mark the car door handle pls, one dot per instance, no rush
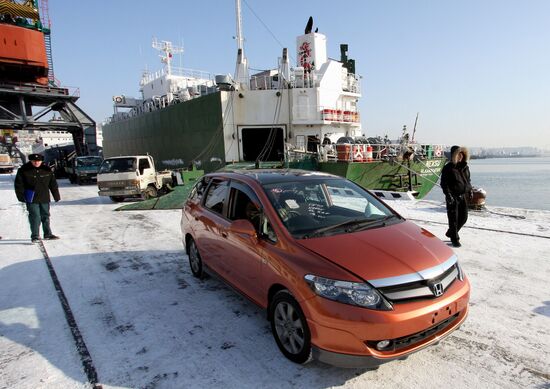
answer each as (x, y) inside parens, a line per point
(196, 218)
(224, 234)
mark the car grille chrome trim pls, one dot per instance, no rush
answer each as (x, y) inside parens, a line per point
(420, 284)
(422, 275)
(420, 289)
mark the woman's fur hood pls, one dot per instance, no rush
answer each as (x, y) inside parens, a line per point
(463, 150)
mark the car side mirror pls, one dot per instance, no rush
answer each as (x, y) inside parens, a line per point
(243, 227)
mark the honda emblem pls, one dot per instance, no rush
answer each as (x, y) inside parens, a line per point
(437, 289)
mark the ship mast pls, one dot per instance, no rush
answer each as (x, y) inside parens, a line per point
(241, 70)
(169, 50)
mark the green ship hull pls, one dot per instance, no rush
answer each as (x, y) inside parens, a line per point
(191, 133)
(390, 176)
(175, 136)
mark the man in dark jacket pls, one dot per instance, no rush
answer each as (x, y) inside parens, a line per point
(33, 184)
(456, 185)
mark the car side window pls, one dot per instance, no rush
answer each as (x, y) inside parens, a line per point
(243, 206)
(216, 196)
(198, 190)
(143, 164)
(266, 230)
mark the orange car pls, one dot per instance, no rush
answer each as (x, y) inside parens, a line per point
(344, 278)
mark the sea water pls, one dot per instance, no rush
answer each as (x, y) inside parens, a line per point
(510, 182)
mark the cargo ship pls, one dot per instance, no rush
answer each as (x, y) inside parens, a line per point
(301, 116)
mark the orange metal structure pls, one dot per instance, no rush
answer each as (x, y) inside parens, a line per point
(22, 55)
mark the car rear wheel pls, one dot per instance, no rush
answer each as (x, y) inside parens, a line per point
(289, 327)
(195, 261)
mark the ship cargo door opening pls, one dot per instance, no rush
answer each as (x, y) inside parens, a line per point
(264, 142)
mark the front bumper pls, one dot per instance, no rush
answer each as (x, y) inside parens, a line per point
(373, 361)
(119, 192)
(346, 336)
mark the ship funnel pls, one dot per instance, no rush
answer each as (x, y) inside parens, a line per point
(311, 50)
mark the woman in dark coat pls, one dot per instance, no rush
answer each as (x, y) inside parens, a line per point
(33, 184)
(456, 185)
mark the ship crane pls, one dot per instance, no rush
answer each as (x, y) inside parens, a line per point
(30, 96)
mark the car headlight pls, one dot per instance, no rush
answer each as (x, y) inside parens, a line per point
(354, 293)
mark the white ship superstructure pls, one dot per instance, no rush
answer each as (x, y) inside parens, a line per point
(295, 108)
(170, 85)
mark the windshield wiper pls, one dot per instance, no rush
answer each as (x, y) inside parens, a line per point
(371, 223)
(322, 230)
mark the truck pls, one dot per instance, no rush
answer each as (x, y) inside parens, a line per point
(83, 169)
(133, 176)
(6, 166)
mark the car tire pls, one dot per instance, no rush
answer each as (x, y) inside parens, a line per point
(116, 199)
(195, 260)
(150, 193)
(289, 327)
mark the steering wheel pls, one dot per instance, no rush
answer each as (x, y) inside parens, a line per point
(292, 214)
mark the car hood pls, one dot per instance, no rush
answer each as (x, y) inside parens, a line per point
(389, 251)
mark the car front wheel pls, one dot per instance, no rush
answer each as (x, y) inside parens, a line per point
(289, 327)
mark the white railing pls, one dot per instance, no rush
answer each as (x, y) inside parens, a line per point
(179, 72)
(367, 152)
(351, 83)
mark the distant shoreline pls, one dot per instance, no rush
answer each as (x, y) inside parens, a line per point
(507, 156)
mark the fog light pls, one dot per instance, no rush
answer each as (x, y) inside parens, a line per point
(383, 344)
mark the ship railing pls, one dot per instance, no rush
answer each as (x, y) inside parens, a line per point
(302, 79)
(361, 150)
(50, 89)
(342, 115)
(179, 72)
(351, 83)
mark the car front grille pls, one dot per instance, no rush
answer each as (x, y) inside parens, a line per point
(119, 184)
(420, 289)
(428, 283)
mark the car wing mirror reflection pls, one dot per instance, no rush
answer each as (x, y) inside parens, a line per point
(243, 227)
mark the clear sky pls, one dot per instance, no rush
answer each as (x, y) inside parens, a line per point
(477, 71)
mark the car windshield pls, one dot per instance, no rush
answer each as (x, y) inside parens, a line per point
(321, 207)
(89, 161)
(118, 165)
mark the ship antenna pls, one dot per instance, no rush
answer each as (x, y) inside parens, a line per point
(414, 128)
(168, 51)
(241, 71)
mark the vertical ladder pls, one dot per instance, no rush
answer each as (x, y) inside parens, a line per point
(48, 42)
(46, 26)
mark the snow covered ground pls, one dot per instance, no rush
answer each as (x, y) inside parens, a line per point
(148, 323)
